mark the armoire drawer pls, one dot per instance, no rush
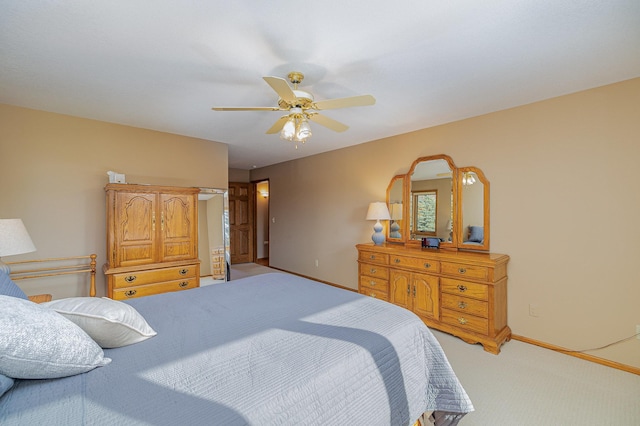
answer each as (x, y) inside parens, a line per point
(421, 265)
(373, 257)
(464, 288)
(149, 289)
(466, 271)
(136, 278)
(465, 321)
(458, 303)
(374, 271)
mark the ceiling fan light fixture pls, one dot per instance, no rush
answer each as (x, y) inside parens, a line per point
(304, 130)
(289, 129)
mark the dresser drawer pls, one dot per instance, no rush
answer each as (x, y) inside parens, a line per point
(467, 271)
(149, 289)
(377, 294)
(465, 321)
(454, 302)
(464, 288)
(421, 265)
(374, 271)
(373, 257)
(375, 283)
(130, 279)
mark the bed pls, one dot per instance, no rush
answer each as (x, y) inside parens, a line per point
(263, 350)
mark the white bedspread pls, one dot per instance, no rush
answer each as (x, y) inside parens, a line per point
(273, 349)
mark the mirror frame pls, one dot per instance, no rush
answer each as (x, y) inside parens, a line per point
(487, 234)
(407, 194)
(403, 235)
(457, 235)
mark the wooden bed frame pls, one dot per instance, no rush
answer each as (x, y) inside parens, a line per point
(31, 269)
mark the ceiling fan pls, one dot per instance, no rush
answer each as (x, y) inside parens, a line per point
(301, 107)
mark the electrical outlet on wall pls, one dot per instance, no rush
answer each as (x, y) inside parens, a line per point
(533, 310)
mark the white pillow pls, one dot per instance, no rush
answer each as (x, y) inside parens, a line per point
(38, 343)
(110, 323)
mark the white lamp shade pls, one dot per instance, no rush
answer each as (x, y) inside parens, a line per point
(14, 238)
(378, 211)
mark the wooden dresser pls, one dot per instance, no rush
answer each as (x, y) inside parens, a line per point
(461, 293)
(152, 240)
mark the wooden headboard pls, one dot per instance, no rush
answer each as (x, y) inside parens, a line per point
(30, 269)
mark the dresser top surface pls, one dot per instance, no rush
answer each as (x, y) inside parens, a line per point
(439, 254)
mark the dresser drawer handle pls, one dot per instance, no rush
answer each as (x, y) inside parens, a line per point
(372, 271)
(130, 293)
(462, 288)
(183, 271)
(462, 270)
(397, 260)
(184, 284)
(462, 305)
(427, 265)
(372, 295)
(130, 278)
(372, 283)
(372, 257)
(462, 321)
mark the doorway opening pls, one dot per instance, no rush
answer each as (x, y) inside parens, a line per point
(261, 216)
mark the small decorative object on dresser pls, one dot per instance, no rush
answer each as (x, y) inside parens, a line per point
(152, 240)
(424, 268)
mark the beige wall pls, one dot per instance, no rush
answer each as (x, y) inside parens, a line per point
(53, 169)
(564, 206)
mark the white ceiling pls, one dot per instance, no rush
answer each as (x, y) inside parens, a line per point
(163, 64)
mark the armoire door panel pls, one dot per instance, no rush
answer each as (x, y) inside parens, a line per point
(136, 228)
(178, 230)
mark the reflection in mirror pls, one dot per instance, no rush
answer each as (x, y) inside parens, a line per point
(474, 220)
(213, 235)
(433, 176)
(425, 206)
(394, 202)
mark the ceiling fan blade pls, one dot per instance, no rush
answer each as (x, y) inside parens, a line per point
(278, 125)
(353, 101)
(245, 109)
(328, 122)
(282, 88)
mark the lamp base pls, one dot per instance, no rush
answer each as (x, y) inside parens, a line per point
(378, 236)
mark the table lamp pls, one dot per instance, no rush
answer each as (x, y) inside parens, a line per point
(14, 239)
(378, 211)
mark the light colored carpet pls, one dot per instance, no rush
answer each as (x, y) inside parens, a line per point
(242, 270)
(527, 385)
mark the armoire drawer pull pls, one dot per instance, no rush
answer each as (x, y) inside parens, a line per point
(183, 284)
(427, 265)
(462, 270)
(130, 278)
(372, 283)
(462, 321)
(462, 288)
(462, 305)
(130, 293)
(183, 271)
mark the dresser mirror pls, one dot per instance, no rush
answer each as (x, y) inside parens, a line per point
(440, 201)
(395, 194)
(474, 209)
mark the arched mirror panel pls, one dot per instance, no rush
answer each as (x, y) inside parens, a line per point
(474, 209)
(395, 203)
(431, 198)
